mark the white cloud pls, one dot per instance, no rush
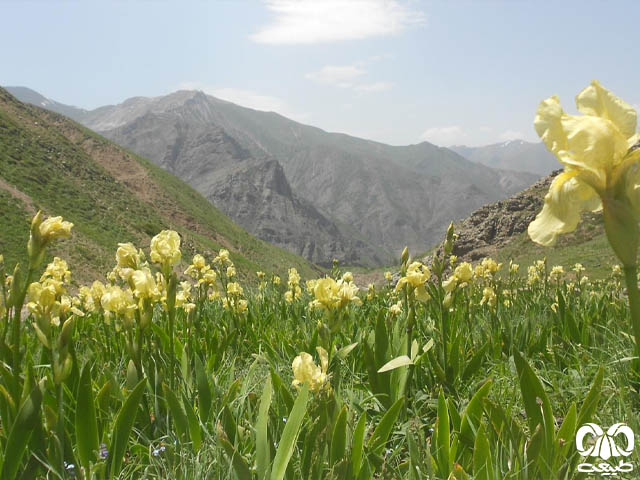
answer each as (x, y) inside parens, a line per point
(305, 22)
(337, 75)
(345, 76)
(373, 87)
(511, 135)
(444, 136)
(247, 98)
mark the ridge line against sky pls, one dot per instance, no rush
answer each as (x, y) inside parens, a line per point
(395, 71)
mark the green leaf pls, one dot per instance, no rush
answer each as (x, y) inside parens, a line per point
(591, 400)
(239, 463)
(565, 436)
(194, 425)
(229, 424)
(86, 420)
(279, 387)
(443, 444)
(472, 414)
(381, 341)
(505, 426)
(357, 447)
(177, 413)
(24, 424)
(482, 462)
(535, 446)
(204, 391)
(311, 462)
(290, 435)
(339, 437)
(536, 401)
(383, 430)
(344, 351)
(263, 455)
(232, 392)
(123, 425)
(401, 361)
(414, 349)
(416, 465)
(475, 363)
(132, 376)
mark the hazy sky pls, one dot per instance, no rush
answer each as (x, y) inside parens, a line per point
(395, 71)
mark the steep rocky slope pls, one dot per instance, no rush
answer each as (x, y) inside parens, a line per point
(499, 230)
(51, 163)
(495, 225)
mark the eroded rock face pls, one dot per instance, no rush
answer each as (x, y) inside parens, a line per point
(258, 196)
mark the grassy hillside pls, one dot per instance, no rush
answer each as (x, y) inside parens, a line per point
(51, 163)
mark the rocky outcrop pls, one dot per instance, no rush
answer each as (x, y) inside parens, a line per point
(494, 225)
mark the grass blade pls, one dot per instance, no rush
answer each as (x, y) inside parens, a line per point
(290, 435)
(204, 391)
(263, 456)
(357, 447)
(443, 444)
(472, 414)
(123, 425)
(384, 428)
(86, 420)
(177, 413)
(482, 462)
(339, 437)
(25, 422)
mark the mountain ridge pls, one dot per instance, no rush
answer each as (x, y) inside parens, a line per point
(516, 154)
(391, 196)
(49, 162)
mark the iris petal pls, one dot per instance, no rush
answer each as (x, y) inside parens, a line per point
(594, 144)
(598, 101)
(548, 124)
(568, 197)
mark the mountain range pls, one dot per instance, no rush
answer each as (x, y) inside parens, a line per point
(321, 195)
(50, 163)
(512, 155)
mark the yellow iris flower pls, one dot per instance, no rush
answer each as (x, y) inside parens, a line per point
(600, 156)
(330, 294)
(306, 371)
(165, 248)
(54, 227)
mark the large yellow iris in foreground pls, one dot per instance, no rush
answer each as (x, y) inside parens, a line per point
(601, 168)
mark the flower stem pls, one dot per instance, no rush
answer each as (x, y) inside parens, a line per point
(60, 425)
(17, 321)
(631, 278)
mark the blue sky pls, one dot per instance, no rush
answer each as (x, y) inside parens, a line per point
(399, 72)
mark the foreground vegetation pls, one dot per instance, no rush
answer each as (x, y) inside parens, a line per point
(453, 371)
